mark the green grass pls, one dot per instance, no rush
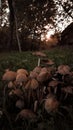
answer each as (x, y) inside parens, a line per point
(16, 60)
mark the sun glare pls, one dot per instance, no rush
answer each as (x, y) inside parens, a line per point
(48, 35)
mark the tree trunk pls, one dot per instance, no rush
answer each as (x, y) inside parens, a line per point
(13, 21)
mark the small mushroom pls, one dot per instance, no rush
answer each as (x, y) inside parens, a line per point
(9, 76)
(21, 78)
(34, 84)
(16, 92)
(43, 76)
(52, 86)
(63, 69)
(26, 114)
(19, 104)
(33, 74)
(51, 104)
(22, 71)
(38, 53)
(37, 69)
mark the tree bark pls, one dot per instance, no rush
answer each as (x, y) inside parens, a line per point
(13, 21)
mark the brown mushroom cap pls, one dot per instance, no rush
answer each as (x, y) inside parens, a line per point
(16, 92)
(26, 113)
(53, 83)
(21, 77)
(44, 69)
(27, 85)
(43, 76)
(9, 76)
(33, 74)
(64, 69)
(23, 71)
(34, 84)
(19, 104)
(68, 89)
(51, 104)
(40, 54)
(37, 69)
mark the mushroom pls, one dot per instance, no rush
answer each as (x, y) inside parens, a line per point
(63, 69)
(22, 71)
(26, 114)
(34, 84)
(38, 53)
(9, 76)
(16, 92)
(51, 104)
(19, 104)
(33, 74)
(47, 62)
(43, 76)
(37, 69)
(52, 86)
(21, 78)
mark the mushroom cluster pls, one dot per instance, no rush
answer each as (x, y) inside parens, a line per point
(48, 84)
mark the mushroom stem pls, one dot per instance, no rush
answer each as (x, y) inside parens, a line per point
(39, 62)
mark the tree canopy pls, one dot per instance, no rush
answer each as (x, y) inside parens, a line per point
(33, 15)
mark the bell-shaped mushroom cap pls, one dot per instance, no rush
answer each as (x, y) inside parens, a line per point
(34, 84)
(51, 104)
(40, 54)
(44, 69)
(21, 77)
(37, 69)
(33, 74)
(47, 62)
(22, 71)
(19, 104)
(43, 76)
(68, 89)
(27, 85)
(16, 92)
(26, 114)
(64, 69)
(53, 83)
(9, 76)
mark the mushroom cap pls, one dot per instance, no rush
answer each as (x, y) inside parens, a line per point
(23, 71)
(63, 69)
(19, 104)
(9, 76)
(26, 113)
(21, 77)
(16, 92)
(27, 85)
(44, 69)
(37, 69)
(53, 83)
(40, 54)
(33, 74)
(68, 89)
(34, 84)
(48, 62)
(43, 76)
(51, 104)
